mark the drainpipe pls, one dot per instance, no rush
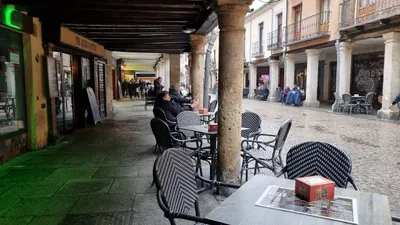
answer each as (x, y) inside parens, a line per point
(211, 41)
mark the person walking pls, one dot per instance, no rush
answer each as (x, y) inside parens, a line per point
(131, 88)
(137, 89)
(142, 88)
(158, 87)
(124, 87)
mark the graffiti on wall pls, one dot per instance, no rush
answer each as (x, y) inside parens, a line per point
(367, 73)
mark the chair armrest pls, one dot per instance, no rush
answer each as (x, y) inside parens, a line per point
(268, 135)
(266, 143)
(282, 172)
(352, 182)
(396, 219)
(214, 183)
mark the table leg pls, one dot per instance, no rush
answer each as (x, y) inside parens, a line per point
(213, 149)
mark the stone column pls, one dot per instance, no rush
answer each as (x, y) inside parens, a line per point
(290, 60)
(344, 50)
(274, 78)
(175, 69)
(253, 78)
(312, 78)
(391, 74)
(167, 73)
(231, 19)
(198, 43)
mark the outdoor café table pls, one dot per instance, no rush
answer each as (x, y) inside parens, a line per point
(358, 100)
(202, 129)
(240, 208)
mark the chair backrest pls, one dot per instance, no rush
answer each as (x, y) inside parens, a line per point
(347, 99)
(216, 117)
(252, 121)
(282, 136)
(188, 118)
(369, 98)
(161, 132)
(174, 175)
(213, 106)
(319, 158)
(160, 114)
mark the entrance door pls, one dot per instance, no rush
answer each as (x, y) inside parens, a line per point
(65, 101)
(298, 16)
(280, 29)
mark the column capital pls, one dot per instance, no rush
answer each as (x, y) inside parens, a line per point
(274, 62)
(341, 46)
(392, 37)
(290, 57)
(231, 14)
(198, 43)
(233, 2)
(311, 52)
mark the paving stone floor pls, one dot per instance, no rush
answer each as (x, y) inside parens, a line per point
(102, 175)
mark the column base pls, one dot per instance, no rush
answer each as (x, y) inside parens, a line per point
(311, 104)
(387, 114)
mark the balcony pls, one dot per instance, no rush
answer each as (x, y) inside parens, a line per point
(275, 40)
(376, 10)
(258, 49)
(312, 27)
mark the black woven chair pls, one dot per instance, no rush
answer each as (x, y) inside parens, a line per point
(368, 101)
(211, 109)
(160, 114)
(175, 180)
(319, 158)
(348, 102)
(252, 121)
(166, 139)
(396, 219)
(265, 154)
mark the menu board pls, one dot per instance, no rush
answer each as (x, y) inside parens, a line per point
(93, 107)
(52, 77)
(341, 209)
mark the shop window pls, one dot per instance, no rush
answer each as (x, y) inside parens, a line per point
(12, 96)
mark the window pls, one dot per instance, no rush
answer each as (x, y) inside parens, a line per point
(280, 28)
(363, 3)
(260, 35)
(324, 11)
(297, 17)
(12, 96)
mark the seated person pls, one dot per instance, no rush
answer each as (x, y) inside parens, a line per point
(176, 96)
(294, 97)
(264, 91)
(284, 94)
(171, 110)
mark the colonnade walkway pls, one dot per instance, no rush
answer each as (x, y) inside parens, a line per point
(99, 175)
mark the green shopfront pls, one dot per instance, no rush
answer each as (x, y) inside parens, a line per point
(12, 83)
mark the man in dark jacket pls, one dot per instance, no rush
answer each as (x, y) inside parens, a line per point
(396, 100)
(176, 96)
(171, 110)
(124, 87)
(158, 86)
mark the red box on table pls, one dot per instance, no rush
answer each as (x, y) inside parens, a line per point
(315, 188)
(213, 127)
(203, 111)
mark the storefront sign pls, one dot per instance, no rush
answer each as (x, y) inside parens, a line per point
(75, 40)
(12, 18)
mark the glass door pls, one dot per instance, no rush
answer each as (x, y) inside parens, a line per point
(64, 102)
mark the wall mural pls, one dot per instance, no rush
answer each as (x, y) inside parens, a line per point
(366, 75)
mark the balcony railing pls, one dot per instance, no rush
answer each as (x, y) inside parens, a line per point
(309, 28)
(353, 13)
(275, 40)
(258, 49)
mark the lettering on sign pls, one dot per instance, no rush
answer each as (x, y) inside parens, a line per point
(77, 41)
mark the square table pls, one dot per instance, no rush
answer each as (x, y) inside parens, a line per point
(203, 129)
(240, 208)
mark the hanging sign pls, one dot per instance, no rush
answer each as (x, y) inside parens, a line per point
(12, 18)
(75, 40)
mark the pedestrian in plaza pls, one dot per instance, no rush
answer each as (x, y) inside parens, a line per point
(137, 89)
(395, 101)
(124, 88)
(264, 91)
(131, 88)
(142, 88)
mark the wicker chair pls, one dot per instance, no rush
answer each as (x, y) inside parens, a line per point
(368, 101)
(160, 114)
(252, 121)
(265, 154)
(348, 102)
(319, 158)
(166, 139)
(188, 118)
(175, 180)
